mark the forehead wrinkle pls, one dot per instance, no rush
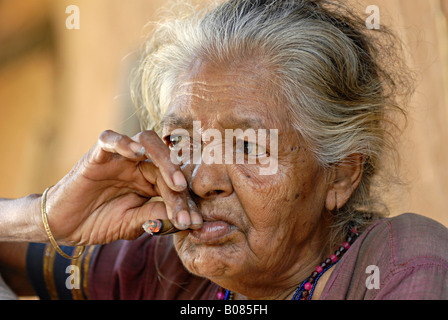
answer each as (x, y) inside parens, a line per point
(203, 85)
(203, 90)
(188, 93)
(235, 96)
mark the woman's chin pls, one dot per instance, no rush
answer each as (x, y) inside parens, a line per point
(210, 258)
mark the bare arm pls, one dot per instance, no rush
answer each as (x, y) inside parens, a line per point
(20, 224)
(20, 220)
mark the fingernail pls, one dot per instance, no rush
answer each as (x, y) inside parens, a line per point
(138, 149)
(183, 218)
(196, 221)
(179, 179)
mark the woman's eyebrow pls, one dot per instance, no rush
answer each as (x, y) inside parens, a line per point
(175, 121)
(227, 122)
(245, 122)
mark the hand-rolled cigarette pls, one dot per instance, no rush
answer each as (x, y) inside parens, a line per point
(159, 227)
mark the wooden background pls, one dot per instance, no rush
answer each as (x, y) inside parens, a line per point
(60, 88)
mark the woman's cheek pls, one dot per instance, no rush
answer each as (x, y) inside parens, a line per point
(261, 196)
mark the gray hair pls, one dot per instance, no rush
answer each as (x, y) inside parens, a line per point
(338, 80)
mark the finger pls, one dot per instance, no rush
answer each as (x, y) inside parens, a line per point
(176, 202)
(114, 143)
(196, 217)
(151, 210)
(177, 207)
(165, 226)
(159, 154)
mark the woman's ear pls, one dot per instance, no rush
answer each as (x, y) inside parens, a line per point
(345, 178)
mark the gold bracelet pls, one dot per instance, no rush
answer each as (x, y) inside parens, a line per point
(47, 228)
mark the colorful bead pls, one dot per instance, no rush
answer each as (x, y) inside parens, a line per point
(220, 295)
(346, 245)
(305, 294)
(319, 269)
(333, 258)
(308, 286)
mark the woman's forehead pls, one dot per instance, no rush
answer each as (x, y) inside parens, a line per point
(227, 112)
(230, 96)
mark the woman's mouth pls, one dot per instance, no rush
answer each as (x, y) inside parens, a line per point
(212, 232)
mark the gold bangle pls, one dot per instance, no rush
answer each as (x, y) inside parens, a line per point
(47, 229)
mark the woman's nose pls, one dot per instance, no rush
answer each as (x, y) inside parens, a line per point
(210, 181)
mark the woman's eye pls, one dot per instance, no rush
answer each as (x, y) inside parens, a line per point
(176, 141)
(250, 148)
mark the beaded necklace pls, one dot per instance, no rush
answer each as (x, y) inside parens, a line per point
(306, 289)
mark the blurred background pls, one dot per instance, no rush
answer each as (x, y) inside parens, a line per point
(60, 88)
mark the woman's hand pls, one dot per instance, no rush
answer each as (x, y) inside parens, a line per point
(105, 197)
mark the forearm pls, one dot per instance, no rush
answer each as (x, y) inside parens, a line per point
(20, 223)
(20, 220)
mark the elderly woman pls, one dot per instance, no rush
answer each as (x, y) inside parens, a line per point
(288, 214)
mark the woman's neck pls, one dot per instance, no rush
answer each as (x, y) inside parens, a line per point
(288, 294)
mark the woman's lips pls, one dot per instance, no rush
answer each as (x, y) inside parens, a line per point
(212, 232)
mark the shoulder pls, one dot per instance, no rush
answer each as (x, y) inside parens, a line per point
(409, 254)
(416, 264)
(408, 238)
(403, 257)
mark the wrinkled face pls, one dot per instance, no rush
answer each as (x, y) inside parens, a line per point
(259, 229)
